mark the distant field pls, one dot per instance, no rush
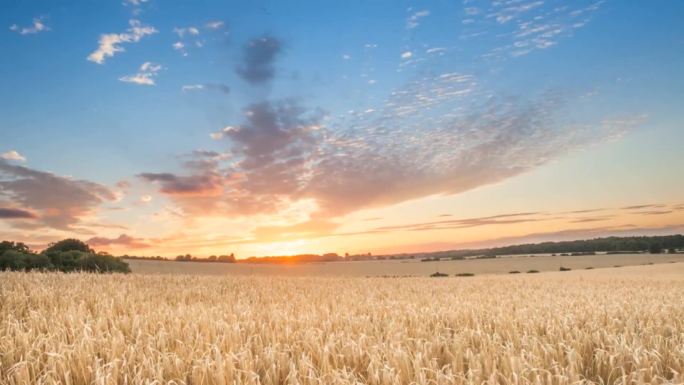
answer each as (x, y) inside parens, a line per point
(606, 326)
(405, 267)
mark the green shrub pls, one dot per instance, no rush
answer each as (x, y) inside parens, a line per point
(67, 255)
(74, 260)
(465, 275)
(532, 271)
(514, 272)
(69, 244)
(564, 268)
(16, 260)
(102, 263)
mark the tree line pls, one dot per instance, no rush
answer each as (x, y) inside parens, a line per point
(611, 245)
(68, 255)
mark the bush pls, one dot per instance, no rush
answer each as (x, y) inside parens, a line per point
(514, 272)
(589, 268)
(564, 268)
(66, 256)
(16, 260)
(74, 260)
(532, 271)
(16, 246)
(68, 244)
(438, 274)
(465, 275)
(102, 263)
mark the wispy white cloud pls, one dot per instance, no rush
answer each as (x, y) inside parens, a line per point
(135, 3)
(180, 47)
(192, 87)
(181, 32)
(13, 155)
(188, 37)
(110, 43)
(224, 88)
(36, 27)
(414, 20)
(217, 24)
(524, 26)
(145, 76)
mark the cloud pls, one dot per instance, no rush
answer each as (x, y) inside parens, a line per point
(436, 50)
(656, 212)
(121, 240)
(59, 202)
(414, 20)
(258, 58)
(11, 213)
(110, 44)
(406, 55)
(523, 27)
(13, 155)
(275, 146)
(36, 27)
(647, 206)
(220, 87)
(194, 185)
(501, 219)
(145, 76)
(217, 24)
(135, 3)
(181, 32)
(180, 46)
(438, 134)
(190, 36)
(270, 155)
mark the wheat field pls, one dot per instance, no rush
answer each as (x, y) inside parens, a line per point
(550, 328)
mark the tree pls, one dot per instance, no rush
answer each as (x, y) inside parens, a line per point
(656, 248)
(227, 258)
(16, 246)
(69, 244)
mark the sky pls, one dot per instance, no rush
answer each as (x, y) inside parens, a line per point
(149, 127)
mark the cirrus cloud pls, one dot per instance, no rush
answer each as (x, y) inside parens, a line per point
(111, 43)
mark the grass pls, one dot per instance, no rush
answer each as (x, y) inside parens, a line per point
(404, 267)
(575, 328)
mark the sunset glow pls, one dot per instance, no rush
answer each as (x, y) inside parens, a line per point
(278, 128)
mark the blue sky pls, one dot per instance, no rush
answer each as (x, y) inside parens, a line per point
(442, 97)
